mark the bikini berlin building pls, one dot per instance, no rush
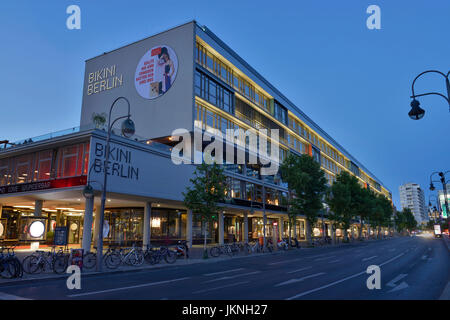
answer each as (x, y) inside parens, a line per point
(183, 78)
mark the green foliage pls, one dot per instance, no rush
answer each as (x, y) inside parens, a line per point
(206, 191)
(307, 184)
(344, 199)
(404, 220)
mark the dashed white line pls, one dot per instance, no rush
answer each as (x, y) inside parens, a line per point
(342, 280)
(320, 259)
(221, 287)
(369, 258)
(284, 261)
(301, 269)
(127, 288)
(222, 272)
(233, 277)
(334, 261)
(299, 279)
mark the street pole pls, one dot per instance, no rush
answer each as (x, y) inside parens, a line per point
(264, 215)
(105, 176)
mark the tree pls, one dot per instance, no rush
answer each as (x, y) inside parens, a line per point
(365, 207)
(343, 200)
(307, 184)
(207, 190)
(411, 222)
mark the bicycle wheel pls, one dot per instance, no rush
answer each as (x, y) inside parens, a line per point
(60, 263)
(214, 251)
(6, 269)
(18, 270)
(135, 259)
(113, 260)
(32, 264)
(90, 260)
(228, 251)
(170, 256)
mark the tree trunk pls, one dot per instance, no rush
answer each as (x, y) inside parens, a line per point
(308, 232)
(333, 234)
(361, 225)
(204, 241)
(290, 232)
(345, 234)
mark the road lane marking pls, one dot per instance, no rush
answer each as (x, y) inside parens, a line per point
(299, 279)
(301, 269)
(324, 258)
(397, 278)
(127, 288)
(222, 272)
(221, 287)
(334, 261)
(369, 258)
(232, 277)
(6, 296)
(284, 261)
(342, 280)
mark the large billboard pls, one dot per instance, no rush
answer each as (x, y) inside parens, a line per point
(154, 74)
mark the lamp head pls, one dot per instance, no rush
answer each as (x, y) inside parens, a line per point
(432, 186)
(128, 128)
(416, 112)
(88, 191)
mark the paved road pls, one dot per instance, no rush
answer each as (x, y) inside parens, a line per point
(411, 268)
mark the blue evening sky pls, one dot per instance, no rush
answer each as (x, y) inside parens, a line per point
(354, 82)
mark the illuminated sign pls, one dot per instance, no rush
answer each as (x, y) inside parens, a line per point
(103, 80)
(2, 230)
(44, 185)
(37, 229)
(156, 72)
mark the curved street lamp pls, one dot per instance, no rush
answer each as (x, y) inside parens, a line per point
(416, 112)
(444, 187)
(128, 130)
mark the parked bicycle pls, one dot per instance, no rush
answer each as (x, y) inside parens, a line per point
(221, 249)
(40, 261)
(155, 255)
(133, 256)
(10, 266)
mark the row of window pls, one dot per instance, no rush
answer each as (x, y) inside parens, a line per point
(224, 72)
(44, 165)
(239, 189)
(207, 119)
(213, 92)
(257, 120)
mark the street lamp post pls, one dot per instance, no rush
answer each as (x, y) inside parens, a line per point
(416, 112)
(128, 130)
(444, 187)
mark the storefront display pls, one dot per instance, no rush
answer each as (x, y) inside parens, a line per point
(32, 228)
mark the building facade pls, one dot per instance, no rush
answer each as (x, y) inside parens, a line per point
(413, 197)
(184, 79)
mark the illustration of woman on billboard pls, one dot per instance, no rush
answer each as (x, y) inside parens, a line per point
(168, 69)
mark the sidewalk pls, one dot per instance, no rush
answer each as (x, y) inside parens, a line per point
(195, 257)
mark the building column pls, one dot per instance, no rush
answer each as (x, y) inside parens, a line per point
(147, 229)
(1, 209)
(221, 228)
(280, 227)
(245, 227)
(96, 223)
(189, 228)
(87, 224)
(38, 208)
